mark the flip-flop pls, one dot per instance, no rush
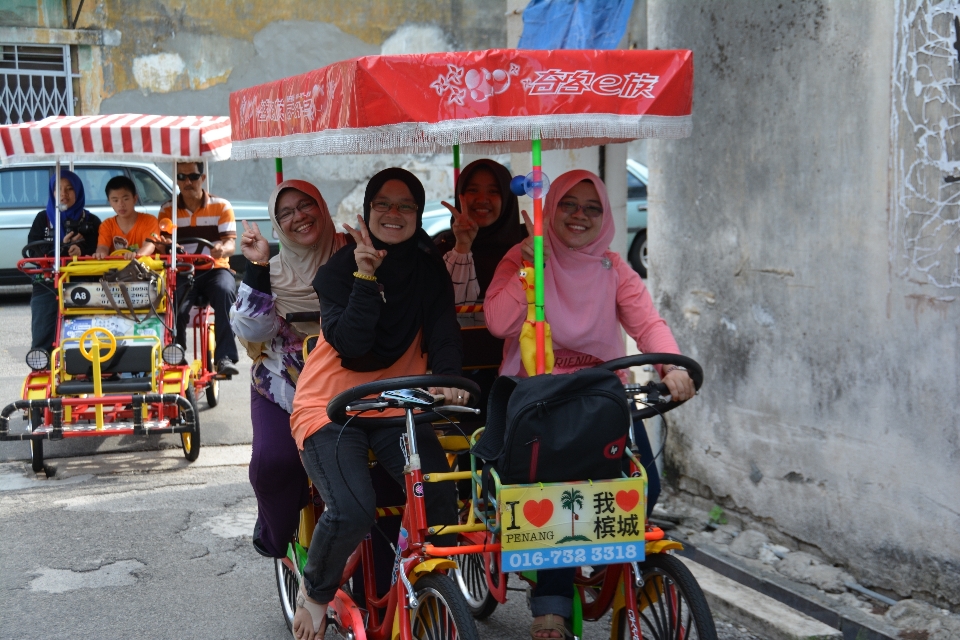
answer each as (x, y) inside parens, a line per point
(551, 622)
(317, 614)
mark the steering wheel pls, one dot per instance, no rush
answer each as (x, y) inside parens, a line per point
(693, 369)
(337, 409)
(37, 249)
(93, 335)
(200, 241)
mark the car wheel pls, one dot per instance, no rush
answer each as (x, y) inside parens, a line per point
(638, 254)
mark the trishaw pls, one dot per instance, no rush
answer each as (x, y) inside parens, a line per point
(486, 102)
(116, 368)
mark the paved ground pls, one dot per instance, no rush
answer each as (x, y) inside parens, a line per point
(141, 543)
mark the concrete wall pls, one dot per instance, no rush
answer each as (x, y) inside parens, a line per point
(180, 57)
(830, 404)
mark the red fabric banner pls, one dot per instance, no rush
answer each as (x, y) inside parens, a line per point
(489, 100)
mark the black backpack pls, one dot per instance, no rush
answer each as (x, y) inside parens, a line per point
(556, 428)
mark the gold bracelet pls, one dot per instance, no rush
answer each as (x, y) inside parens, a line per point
(363, 276)
(258, 263)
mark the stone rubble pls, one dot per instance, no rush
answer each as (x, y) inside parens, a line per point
(918, 620)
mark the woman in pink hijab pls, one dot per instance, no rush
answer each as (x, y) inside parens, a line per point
(589, 294)
(272, 288)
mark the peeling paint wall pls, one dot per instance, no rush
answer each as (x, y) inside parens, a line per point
(179, 57)
(778, 237)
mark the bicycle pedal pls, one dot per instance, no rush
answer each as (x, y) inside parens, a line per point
(222, 376)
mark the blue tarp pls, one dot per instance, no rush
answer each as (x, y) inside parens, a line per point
(574, 24)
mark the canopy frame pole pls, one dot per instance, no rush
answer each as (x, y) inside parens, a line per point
(538, 253)
(56, 221)
(206, 172)
(456, 168)
(174, 211)
(278, 165)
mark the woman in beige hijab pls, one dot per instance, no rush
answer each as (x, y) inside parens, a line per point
(271, 289)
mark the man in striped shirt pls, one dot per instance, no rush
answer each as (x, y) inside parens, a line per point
(201, 215)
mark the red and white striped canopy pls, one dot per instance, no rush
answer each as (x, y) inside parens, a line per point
(127, 136)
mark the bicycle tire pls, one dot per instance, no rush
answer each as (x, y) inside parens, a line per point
(471, 578)
(440, 600)
(36, 445)
(670, 594)
(288, 584)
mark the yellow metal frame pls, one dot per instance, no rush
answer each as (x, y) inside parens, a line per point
(100, 267)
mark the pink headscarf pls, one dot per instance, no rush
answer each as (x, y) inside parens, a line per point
(579, 286)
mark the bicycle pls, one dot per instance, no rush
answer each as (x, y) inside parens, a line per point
(652, 594)
(421, 584)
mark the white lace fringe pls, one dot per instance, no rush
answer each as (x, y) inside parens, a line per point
(489, 135)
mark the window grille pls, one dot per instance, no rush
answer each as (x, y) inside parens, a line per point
(35, 82)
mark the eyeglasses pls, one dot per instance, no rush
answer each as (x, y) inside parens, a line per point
(382, 206)
(304, 206)
(192, 177)
(570, 207)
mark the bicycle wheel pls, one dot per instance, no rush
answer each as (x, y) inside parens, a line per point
(288, 584)
(36, 446)
(471, 578)
(670, 603)
(213, 387)
(442, 613)
(191, 439)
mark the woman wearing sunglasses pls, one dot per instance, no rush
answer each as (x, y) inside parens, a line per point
(589, 294)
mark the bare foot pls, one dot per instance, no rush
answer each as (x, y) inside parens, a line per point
(310, 619)
(545, 633)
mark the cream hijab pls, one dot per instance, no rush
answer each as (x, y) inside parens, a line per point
(292, 270)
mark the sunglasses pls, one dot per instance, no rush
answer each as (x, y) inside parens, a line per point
(192, 177)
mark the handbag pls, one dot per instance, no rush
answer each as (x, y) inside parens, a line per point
(133, 272)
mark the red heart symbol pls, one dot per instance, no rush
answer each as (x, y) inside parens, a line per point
(537, 513)
(627, 500)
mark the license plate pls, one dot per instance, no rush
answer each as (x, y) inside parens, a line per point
(572, 524)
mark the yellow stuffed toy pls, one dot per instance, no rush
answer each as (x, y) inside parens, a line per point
(528, 334)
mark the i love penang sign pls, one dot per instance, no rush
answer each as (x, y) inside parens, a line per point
(571, 524)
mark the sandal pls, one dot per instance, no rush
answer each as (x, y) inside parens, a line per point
(551, 622)
(317, 614)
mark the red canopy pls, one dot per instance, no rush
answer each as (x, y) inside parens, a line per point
(485, 101)
(130, 136)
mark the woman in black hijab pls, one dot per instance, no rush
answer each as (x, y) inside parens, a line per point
(485, 225)
(386, 308)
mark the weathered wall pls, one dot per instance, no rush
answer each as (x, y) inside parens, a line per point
(179, 57)
(830, 407)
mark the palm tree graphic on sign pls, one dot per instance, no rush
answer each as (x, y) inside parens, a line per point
(571, 499)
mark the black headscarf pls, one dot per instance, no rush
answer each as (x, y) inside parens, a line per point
(492, 242)
(414, 278)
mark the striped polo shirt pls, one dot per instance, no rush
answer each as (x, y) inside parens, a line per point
(213, 221)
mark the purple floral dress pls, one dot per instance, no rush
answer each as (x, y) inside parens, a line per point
(275, 371)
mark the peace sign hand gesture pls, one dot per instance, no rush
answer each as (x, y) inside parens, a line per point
(464, 229)
(526, 248)
(253, 245)
(368, 258)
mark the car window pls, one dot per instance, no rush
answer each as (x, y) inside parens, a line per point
(24, 188)
(635, 187)
(149, 189)
(95, 182)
